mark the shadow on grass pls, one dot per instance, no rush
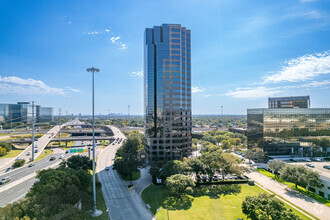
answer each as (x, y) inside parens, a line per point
(216, 191)
(183, 203)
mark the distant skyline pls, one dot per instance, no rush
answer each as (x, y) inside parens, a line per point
(242, 52)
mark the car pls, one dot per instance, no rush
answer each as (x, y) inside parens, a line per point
(37, 181)
(313, 159)
(28, 153)
(4, 180)
(326, 167)
(66, 151)
(8, 169)
(35, 151)
(310, 165)
(318, 160)
(107, 168)
(217, 178)
(31, 164)
(36, 146)
(60, 157)
(17, 158)
(52, 158)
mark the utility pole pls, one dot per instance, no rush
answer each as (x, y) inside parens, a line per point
(128, 111)
(59, 136)
(32, 130)
(94, 212)
(221, 111)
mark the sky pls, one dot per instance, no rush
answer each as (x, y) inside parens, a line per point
(242, 52)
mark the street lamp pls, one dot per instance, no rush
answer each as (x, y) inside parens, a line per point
(94, 212)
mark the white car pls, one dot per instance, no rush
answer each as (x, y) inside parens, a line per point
(61, 157)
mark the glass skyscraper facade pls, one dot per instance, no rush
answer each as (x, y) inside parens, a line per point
(290, 131)
(167, 91)
(22, 112)
(289, 102)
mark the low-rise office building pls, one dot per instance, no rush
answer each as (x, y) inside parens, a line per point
(299, 132)
(289, 102)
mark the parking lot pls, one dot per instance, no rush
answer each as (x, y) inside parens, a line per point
(318, 166)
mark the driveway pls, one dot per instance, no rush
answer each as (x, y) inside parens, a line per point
(311, 206)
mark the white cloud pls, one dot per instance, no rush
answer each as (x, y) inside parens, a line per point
(301, 69)
(197, 89)
(107, 30)
(122, 46)
(307, 0)
(137, 74)
(257, 92)
(93, 33)
(114, 39)
(72, 90)
(16, 85)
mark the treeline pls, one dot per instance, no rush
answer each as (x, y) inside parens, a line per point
(219, 139)
(219, 121)
(57, 195)
(121, 122)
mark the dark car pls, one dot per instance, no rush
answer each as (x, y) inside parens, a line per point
(31, 164)
(107, 168)
(8, 169)
(52, 158)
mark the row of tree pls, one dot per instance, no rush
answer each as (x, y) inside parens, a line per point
(209, 163)
(57, 193)
(297, 174)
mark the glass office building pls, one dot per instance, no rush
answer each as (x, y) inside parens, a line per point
(289, 102)
(22, 112)
(291, 131)
(167, 92)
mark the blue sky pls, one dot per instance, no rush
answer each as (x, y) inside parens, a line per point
(242, 52)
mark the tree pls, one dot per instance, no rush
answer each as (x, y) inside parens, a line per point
(18, 163)
(78, 162)
(127, 157)
(265, 207)
(179, 185)
(312, 179)
(196, 166)
(294, 174)
(3, 151)
(276, 166)
(7, 146)
(225, 144)
(172, 167)
(211, 162)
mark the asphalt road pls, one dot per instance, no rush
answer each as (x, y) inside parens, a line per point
(122, 203)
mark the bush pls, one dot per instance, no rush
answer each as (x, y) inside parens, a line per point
(18, 163)
(3, 151)
(7, 146)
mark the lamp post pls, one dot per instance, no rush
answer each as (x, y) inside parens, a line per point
(94, 212)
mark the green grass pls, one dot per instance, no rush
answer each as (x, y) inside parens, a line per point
(223, 202)
(299, 188)
(100, 203)
(12, 153)
(135, 176)
(44, 154)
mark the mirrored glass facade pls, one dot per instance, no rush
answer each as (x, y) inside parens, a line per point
(289, 102)
(292, 131)
(167, 91)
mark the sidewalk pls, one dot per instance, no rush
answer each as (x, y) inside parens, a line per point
(306, 203)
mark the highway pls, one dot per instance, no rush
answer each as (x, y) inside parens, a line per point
(122, 203)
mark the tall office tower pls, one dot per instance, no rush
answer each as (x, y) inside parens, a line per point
(167, 92)
(289, 102)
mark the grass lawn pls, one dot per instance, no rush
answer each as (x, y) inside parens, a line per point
(135, 176)
(100, 203)
(203, 204)
(293, 186)
(12, 153)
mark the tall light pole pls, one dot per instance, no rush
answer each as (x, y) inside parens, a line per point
(221, 111)
(94, 212)
(59, 136)
(32, 130)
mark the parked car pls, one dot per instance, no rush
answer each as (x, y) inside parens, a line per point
(326, 167)
(310, 165)
(318, 160)
(313, 159)
(107, 168)
(4, 180)
(31, 164)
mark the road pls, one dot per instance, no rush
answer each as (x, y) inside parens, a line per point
(122, 203)
(315, 208)
(39, 145)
